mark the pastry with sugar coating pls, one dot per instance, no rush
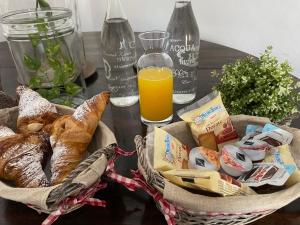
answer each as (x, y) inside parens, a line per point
(21, 157)
(71, 135)
(36, 113)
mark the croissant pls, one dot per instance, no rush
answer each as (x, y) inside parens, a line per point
(35, 112)
(71, 135)
(21, 158)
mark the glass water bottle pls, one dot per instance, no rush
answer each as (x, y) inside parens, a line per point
(119, 56)
(183, 47)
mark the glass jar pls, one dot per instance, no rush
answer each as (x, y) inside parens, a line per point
(44, 47)
(155, 79)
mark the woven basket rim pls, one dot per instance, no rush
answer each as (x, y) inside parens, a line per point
(153, 176)
(67, 188)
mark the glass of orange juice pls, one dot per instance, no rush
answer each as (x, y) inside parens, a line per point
(155, 79)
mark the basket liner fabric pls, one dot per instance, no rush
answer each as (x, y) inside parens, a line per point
(37, 197)
(231, 204)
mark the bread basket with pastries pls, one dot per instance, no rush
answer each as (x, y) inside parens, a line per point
(52, 157)
(244, 169)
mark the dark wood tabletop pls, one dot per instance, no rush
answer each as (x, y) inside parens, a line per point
(125, 207)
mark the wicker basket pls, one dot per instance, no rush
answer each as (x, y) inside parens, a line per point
(83, 181)
(199, 209)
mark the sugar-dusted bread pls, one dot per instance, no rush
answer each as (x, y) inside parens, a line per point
(71, 135)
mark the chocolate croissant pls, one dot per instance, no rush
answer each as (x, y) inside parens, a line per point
(35, 112)
(71, 135)
(21, 158)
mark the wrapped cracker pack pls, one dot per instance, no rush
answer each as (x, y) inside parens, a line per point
(211, 181)
(209, 121)
(169, 153)
(282, 155)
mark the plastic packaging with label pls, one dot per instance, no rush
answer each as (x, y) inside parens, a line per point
(234, 161)
(169, 153)
(265, 173)
(274, 136)
(282, 155)
(255, 149)
(209, 121)
(251, 131)
(204, 159)
(211, 181)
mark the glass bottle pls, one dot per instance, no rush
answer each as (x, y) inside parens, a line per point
(119, 56)
(183, 47)
(155, 79)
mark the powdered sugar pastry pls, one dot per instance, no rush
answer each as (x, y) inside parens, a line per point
(83, 109)
(6, 132)
(33, 104)
(59, 149)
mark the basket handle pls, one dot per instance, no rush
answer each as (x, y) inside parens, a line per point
(151, 176)
(68, 188)
(142, 157)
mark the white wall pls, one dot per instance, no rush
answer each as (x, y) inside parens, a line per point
(242, 24)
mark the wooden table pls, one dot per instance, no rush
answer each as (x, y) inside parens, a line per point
(126, 207)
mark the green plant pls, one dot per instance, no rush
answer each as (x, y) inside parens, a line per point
(57, 60)
(260, 87)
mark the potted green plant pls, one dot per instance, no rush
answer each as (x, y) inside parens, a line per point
(259, 87)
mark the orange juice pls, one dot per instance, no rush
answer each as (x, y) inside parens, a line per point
(156, 91)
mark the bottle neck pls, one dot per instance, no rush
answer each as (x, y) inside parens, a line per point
(183, 9)
(115, 10)
(182, 4)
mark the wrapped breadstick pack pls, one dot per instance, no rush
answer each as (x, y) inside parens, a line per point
(209, 180)
(209, 121)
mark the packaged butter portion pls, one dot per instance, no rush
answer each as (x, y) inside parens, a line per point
(209, 121)
(169, 153)
(252, 128)
(234, 161)
(251, 131)
(265, 173)
(274, 136)
(206, 180)
(255, 149)
(282, 155)
(204, 159)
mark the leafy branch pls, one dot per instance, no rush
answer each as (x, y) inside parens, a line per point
(57, 59)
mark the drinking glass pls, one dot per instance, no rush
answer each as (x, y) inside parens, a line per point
(155, 79)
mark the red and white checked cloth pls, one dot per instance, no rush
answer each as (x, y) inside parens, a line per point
(83, 199)
(138, 182)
